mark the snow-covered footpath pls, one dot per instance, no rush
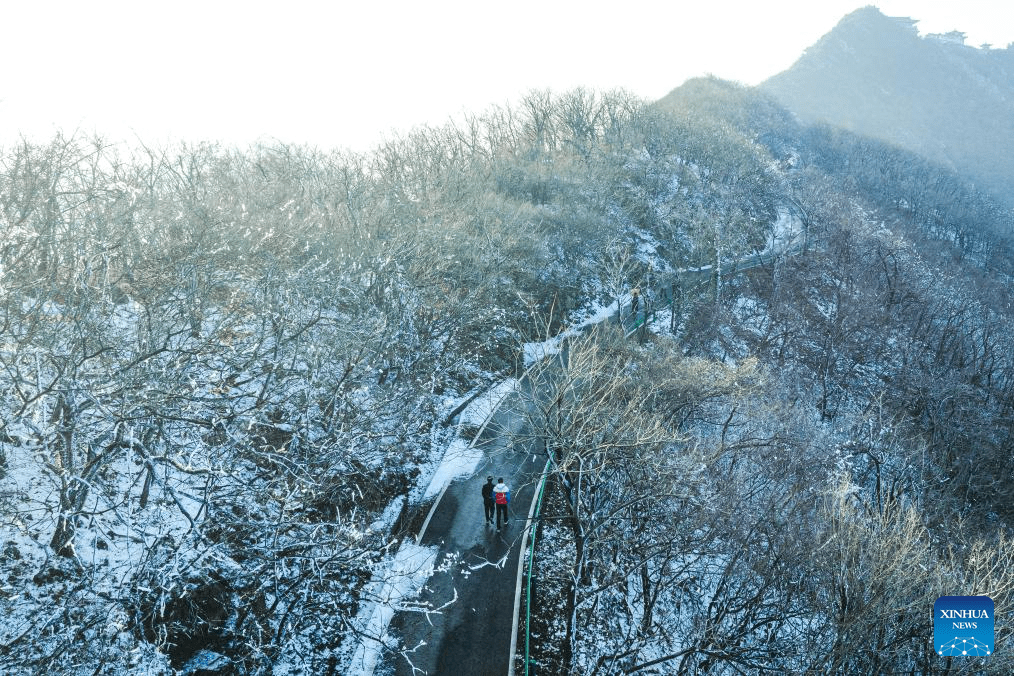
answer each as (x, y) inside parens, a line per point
(461, 457)
(534, 352)
(401, 577)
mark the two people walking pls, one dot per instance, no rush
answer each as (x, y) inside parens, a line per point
(496, 498)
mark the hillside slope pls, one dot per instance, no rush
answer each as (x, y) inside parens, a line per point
(226, 378)
(874, 75)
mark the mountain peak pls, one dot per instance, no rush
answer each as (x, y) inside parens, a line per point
(870, 16)
(875, 75)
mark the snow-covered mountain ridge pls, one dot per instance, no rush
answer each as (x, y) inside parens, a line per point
(224, 378)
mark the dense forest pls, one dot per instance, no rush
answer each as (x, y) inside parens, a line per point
(225, 375)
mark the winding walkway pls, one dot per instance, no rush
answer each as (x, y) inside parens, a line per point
(476, 565)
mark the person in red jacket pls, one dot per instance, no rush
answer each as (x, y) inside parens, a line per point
(502, 498)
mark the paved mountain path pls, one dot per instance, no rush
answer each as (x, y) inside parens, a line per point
(471, 637)
(478, 566)
(686, 284)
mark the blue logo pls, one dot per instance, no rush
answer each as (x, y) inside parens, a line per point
(963, 626)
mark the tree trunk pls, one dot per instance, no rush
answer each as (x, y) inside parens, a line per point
(63, 537)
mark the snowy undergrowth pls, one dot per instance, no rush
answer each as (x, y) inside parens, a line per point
(395, 581)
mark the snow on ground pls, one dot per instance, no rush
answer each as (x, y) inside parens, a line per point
(484, 405)
(703, 268)
(537, 351)
(399, 579)
(403, 576)
(387, 518)
(785, 232)
(111, 542)
(752, 314)
(596, 314)
(461, 457)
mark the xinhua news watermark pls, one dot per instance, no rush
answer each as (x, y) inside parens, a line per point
(963, 626)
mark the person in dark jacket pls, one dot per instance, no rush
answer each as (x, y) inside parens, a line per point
(502, 498)
(487, 499)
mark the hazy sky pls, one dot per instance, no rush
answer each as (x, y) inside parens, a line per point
(347, 73)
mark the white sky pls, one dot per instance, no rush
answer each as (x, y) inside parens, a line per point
(347, 73)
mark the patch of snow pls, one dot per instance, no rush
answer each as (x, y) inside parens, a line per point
(537, 351)
(460, 459)
(785, 231)
(703, 268)
(402, 578)
(384, 522)
(477, 412)
(597, 314)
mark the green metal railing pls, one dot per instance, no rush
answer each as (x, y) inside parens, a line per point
(736, 267)
(531, 564)
(669, 300)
